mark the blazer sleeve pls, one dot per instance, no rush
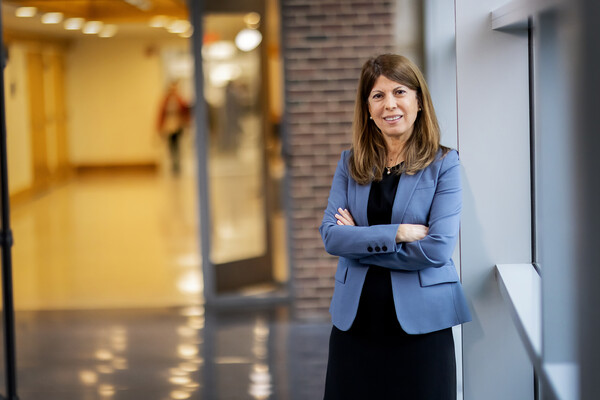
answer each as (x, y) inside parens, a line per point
(436, 249)
(351, 241)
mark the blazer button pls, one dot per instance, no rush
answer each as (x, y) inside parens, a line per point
(377, 249)
(370, 249)
(384, 248)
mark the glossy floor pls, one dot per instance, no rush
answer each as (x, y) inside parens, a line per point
(169, 354)
(108, 292)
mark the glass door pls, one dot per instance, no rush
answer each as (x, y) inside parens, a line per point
(237, 194)
(236, 171)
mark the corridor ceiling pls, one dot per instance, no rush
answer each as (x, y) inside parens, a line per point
(109, 11)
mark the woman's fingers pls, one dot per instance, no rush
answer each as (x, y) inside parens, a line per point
(344, 217)
(411, 232)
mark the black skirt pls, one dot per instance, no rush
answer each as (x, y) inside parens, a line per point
(375, 359)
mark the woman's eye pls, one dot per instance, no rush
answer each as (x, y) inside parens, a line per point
(400, 92)
(377, 96)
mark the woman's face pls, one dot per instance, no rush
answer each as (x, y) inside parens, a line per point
(394, 108)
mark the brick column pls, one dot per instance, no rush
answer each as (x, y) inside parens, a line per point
(325, 43)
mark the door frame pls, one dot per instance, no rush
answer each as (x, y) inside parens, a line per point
(212, 297)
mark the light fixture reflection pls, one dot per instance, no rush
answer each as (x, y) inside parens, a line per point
(196, 322)
(248, 39)
(120, 363)
(190, 283)
(260, 382)
(106, 390)
(25, 12)
(224, 73)
(187, 350)
(188, 367)
(73, 24)
(104, 355)
(180, 380)
(88, 377)
(192, 311)
(180, 395)
(219, 50)
(52, 18)
(92, 27)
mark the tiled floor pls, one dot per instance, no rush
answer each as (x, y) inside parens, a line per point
(169, 353)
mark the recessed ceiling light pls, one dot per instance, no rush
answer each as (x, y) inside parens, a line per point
(248, 39)
(25, 12)
(92, 27)
(107, 31)
(252, 20)
(187, 34)
(52, 18)
(73, 24)
(159, 21)
(179, 26)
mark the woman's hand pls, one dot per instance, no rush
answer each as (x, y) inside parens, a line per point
(411, 233)
(344, 218)
(406, 232)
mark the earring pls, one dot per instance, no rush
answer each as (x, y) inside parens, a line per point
(370, 117)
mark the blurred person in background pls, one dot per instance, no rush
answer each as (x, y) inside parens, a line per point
(392, 218)
(173, 118)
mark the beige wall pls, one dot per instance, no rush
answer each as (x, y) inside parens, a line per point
(114, 88)
(17, 120)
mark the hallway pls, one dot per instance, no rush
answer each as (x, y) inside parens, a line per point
(109, 303)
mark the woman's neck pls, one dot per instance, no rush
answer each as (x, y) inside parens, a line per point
(395, 152)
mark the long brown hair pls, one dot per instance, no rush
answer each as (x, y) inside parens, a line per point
(369, 152)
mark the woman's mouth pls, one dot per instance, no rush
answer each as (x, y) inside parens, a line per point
(393, 118)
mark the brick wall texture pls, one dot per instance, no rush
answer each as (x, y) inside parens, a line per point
(325, 43)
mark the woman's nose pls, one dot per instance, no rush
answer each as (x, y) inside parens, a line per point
(390, 103)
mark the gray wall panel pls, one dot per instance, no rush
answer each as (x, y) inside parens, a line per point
(493, 137)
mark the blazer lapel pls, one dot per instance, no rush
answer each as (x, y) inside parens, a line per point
(362, 200)
(406, 188)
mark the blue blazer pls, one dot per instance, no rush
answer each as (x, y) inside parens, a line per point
(426, 289)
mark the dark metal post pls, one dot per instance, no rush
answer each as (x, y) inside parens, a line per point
(6, 240)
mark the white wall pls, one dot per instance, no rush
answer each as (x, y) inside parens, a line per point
(18, 130)
(114, 87)
(490, 113)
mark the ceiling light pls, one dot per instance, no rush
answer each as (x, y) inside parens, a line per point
(159, 21)
(52, 18)
(143, 5)
(179, 26)
(25, 12)
(248, 39)
(109, 30)
(252, 19)
(92, 27)
(73, 24)
(187, 34)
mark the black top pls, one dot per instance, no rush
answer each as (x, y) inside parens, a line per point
(381, 198)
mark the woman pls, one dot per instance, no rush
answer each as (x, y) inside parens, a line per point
(392, 219)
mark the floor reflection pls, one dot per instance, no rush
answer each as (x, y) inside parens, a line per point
(169, 353)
